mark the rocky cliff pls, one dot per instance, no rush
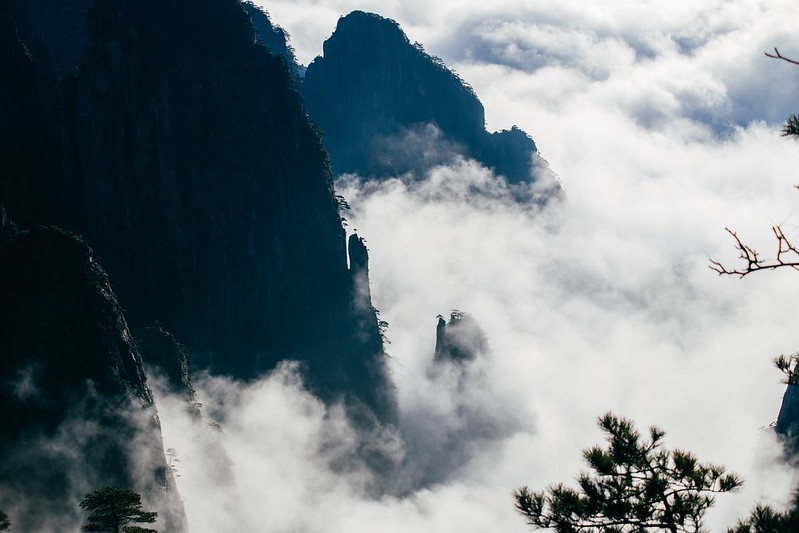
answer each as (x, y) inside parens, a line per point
(77, 413)
(167, 135)
(788, 418)
(386, 107)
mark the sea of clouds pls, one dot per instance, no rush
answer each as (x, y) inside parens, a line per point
(661, 120)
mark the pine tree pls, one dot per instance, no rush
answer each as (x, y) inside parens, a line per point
(634, 486)
(113, 508)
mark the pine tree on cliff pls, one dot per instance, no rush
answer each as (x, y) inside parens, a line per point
(113, 508)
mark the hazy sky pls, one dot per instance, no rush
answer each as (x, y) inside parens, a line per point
(661, 119)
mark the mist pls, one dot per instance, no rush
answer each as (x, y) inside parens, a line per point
(662, 124)
(587, 307)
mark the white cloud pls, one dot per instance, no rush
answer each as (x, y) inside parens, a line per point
(273, 468)
(602, 303)
(661, 119)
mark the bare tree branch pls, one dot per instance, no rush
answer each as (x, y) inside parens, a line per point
(787, 256)
(778, 55)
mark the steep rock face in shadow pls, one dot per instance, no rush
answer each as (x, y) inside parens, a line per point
(367, 328)
(787, 426)
(77, 413)
(788, 419)
(385, 107)
(55, 32)
(273, 37)
(171, 358)
(186, 158)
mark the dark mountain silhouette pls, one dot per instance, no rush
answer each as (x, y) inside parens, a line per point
(171, 135)
(77, 413)
(387, 107)
(167, 135)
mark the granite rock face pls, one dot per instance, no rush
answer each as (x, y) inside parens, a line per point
(187, 160)
(78, 414)
(386, 107)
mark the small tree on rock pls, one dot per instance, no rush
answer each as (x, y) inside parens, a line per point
(634, 486)
(113, 508)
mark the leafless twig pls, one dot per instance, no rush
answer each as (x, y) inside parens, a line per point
(778, 55)
(787, 256)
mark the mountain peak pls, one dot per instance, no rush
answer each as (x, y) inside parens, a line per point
(358, 22)
(385, 105)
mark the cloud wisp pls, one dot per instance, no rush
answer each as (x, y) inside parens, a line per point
(271, 466)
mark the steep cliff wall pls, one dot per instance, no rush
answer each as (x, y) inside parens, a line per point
(788, 419)
(180, 149)
(77, 413)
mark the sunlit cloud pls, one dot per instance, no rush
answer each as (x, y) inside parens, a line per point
(662, 122)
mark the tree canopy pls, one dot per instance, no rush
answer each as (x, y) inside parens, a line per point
(635, 485)
(5, 523)
(113, 508)
(764, 519)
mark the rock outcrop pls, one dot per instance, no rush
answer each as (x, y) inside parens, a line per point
(466, 419)
(460, 340)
